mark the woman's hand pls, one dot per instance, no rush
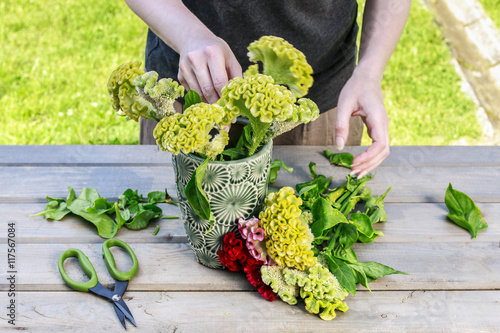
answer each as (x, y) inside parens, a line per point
(206, 65)
(362, 96)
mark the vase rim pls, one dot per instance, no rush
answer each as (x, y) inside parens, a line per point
(262, 151)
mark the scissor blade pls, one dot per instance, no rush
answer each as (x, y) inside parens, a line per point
(120, 315)
(124, 309)
(120, 287)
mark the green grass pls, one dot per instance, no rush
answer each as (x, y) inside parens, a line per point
(57, 57)
(422, 91)
(492, 8)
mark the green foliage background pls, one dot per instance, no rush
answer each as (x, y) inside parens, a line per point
(57, 57)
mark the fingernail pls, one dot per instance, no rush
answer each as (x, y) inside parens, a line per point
(339, 142)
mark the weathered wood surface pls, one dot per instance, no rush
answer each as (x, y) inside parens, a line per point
(416, 222)
(432, 266)
(388, 311)
(453, 285)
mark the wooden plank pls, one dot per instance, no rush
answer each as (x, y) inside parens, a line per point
(421, 185)
(432, 266)
(414, 222)
(83, 155)
(415, 311)
(416, 156)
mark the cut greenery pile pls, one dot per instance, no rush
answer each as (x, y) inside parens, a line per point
(132, 210)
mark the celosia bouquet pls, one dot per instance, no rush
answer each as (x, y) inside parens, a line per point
(300, 245)
(271, 101)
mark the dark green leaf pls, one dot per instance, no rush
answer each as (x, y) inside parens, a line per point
(306, 189)
(362, 223)
(235, 153)
(276, 165)
(106, 226)
(191, 98)
(347, 255)
(156, 197)
(362, 238)
(340, 159)
(360, 276)
(325, 217)
(312, 169)
(343, 273)
(374, 270)
(196, 195)
(348, 235)
(464, 212)
(141, 220)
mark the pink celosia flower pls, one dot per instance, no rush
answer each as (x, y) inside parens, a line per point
(254, 236)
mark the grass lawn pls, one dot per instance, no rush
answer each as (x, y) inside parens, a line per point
(57, 57)
(492, 8)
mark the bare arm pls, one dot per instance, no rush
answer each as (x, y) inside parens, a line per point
(206, 62)
(383, 23)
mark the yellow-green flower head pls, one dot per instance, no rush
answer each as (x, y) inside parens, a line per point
(257, 96)
(288, 238)
(124, 97)
(283, 62)
(190, 131)
(273, 277)
(161, 94)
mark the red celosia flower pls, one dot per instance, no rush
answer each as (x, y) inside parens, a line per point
(236, 257)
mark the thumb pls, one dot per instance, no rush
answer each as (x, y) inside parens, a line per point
(344, 112)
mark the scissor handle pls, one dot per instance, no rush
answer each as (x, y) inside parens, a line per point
(86, 266)
(110, 260)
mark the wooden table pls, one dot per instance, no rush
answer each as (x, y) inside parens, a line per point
(454, 284)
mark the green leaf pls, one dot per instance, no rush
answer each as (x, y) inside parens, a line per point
(364, 239)
(360, 275)
(348, 235)
(374, 270)
(55, 209)
(141, 220)
(235, 153)
(276, 165)
(191, 98)
(101, 206)
(343, 273)
(122, 217)
(156, 197)
(312, 169)
(325, 217)
(106, 226)
(363, 224)
(347, 255)
(464, 212)
(340, 159)
(196, 195)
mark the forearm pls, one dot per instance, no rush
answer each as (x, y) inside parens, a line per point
(171, 21)
(383, 23)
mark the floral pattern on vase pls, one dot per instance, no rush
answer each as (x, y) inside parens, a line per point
(235, 189)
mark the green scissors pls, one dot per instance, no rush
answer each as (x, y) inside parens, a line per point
(94, 286)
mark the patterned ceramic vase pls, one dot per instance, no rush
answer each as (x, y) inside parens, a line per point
(234, 189)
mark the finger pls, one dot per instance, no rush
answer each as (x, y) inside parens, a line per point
(344, 112)
(233, 68)
(189, 81)
(218, 73)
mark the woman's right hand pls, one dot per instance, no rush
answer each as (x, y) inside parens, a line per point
(206, 64)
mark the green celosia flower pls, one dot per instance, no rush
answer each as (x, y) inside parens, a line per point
(273, 277)
(124, 97)
(260, 100)
(190, 131)
(283, 62)
(288, 238)
(319, 288)
(303, 112)
(161, 94)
